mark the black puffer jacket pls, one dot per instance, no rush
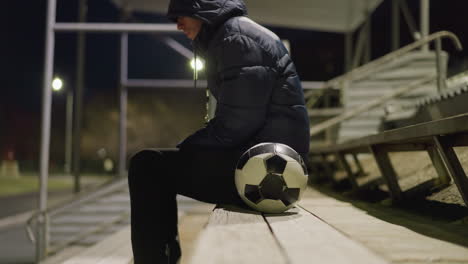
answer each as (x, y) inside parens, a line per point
(249, 71)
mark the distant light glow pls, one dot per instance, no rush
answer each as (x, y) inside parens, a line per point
(108, 165)
(199, 64)
(57, 84)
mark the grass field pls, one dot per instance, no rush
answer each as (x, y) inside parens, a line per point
(30, 183)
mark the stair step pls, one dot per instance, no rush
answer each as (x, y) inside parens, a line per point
(355, 134)
(102, 208)
(382, 92)
(389, 77)
(403, 74)
(360, 123)
(61, 237)
(376, 112)
(423, 64)
(65, 229)
(412, 58)
(93, 239)
(325, 112)
(372, 84)
(124, 198)
(80, 219)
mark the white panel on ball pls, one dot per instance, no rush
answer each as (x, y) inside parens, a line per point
(249, 203)
(255, 169)
(294, 175)
(272, 206)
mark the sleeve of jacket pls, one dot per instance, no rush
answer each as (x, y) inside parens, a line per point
(245, 86)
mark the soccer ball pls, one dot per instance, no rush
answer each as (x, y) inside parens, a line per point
(271, 177)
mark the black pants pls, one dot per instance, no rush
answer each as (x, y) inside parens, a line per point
(155, 177)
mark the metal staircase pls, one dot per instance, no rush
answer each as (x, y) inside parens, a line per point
(88, 218)
(396, 79)
(92, 220)
(387, 78)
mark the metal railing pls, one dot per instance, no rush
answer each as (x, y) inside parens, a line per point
(374, 66)
(52, 28)
(81, 199)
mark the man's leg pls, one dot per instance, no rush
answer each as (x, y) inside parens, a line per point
(154, 179)
(209, 176)
(153, 206)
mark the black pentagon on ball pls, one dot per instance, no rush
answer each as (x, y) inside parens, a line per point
(275, 164)
(288, 151)
(252, 192)
(272, 186)
(290, 196)
(254, 151)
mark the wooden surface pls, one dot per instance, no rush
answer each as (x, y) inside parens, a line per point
(237, 237)
(446, 126)
(307, 239)
(296, 237)
(397, 243)
(190, 226)
(320, 230)
(116, 249)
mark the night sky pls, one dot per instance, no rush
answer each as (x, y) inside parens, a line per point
(318, 56)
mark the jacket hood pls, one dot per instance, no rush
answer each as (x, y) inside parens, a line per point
(212, 12)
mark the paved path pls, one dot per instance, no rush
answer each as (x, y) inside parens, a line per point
(15, 247)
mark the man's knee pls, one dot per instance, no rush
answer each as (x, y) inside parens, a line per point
(145, 162)
(144, 157)
(148, 172)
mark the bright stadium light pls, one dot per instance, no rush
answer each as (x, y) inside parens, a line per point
(57, 84)
(198, 63)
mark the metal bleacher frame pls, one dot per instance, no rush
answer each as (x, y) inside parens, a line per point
(437, 137)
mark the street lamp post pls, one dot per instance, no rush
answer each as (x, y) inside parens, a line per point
(68, 132)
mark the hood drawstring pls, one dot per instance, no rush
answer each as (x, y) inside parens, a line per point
(195, 72)
(207, 91)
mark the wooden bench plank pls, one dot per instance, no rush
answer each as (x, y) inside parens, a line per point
(307, 239)
(395, 242)
(427, 130)
(451, 131)
(237, 236)
(190, 227)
